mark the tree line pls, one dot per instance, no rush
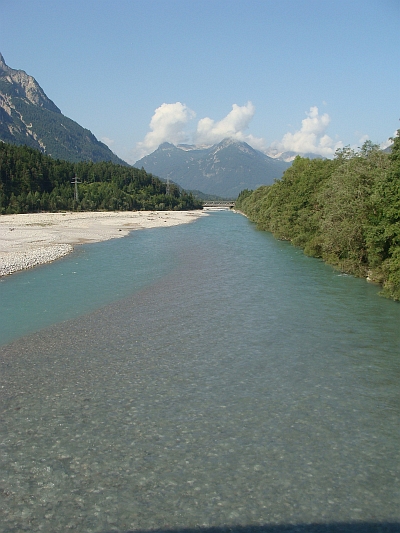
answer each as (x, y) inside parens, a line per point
(345, 211)
(31, 181)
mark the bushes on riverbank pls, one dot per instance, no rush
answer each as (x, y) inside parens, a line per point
(31, 181)
(345, 211)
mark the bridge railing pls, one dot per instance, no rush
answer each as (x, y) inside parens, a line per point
(219, 203)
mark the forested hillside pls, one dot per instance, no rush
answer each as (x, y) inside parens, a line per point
(345, 211)
(31, 181)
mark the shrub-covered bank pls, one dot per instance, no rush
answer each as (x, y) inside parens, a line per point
(345, 211)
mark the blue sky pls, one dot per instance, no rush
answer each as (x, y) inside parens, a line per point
(288, 74)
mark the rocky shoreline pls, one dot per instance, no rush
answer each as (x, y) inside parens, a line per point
(14, 261)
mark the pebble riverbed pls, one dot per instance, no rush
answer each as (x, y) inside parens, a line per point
(14, 261)
(243, 388)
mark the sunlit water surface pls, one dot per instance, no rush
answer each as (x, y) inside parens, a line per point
(202, 375)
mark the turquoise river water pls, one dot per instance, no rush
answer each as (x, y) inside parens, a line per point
(201, 377)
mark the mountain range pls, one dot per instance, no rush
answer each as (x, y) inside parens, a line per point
(28, 116)
(290, 156)
(224, 169)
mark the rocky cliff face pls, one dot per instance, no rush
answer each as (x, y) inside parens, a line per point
(25, 86)
(29, 117)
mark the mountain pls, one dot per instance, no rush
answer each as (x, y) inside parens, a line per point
(29, 117)
(388, 149)
(290, 156)
(224, 169)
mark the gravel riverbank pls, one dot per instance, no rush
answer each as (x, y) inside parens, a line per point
(29, 240)
(13, 261)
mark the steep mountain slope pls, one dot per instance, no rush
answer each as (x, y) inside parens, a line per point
(224, 169)
(28, 116)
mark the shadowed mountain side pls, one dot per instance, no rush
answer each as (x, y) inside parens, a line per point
(337, 527)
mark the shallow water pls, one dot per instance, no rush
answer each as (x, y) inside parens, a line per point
(212, 376)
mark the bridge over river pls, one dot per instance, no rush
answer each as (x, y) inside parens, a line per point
(219, 203)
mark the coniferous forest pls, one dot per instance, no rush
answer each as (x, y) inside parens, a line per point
(345, 211)
(31, 181)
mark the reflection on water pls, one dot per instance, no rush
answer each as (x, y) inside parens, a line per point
(246, 385)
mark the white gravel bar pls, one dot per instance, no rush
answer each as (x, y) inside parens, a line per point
(13, 261)
(29, 240)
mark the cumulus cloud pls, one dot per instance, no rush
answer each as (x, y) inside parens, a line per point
(107, 141)
(170, 121)
(311, 137)
(167, 125)
(388, 141)
(233, 125)
(362, 140)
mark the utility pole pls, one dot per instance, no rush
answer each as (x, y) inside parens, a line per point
(167, 191)
(75, 182)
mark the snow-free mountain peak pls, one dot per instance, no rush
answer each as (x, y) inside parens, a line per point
(25, 86)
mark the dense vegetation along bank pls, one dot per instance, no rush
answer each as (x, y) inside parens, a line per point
(31, 181)
(345, 211)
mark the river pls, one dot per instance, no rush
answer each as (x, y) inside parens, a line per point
(200, 376)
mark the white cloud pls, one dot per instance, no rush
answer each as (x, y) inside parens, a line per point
(170, 121)
(170, 124)
(310, 138)
(233, 125)
(166, 125)
(107, 141)
(388, 142)
(362, 140)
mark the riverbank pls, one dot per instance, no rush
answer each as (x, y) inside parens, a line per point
(28, 240)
